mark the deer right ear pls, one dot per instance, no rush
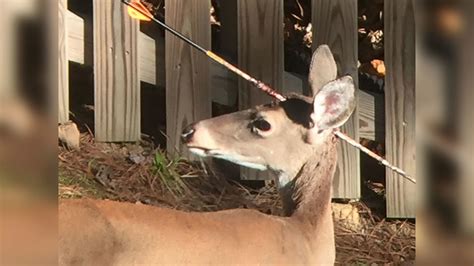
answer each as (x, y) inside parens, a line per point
(323, 68)
(334, 104)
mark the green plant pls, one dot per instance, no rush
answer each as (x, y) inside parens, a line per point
(168, 170)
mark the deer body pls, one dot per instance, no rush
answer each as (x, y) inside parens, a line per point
(292, 138)
(96, 232)
(153, 236)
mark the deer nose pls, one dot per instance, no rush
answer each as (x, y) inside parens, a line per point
(187, 134)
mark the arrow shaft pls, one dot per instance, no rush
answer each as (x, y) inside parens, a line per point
(265, 88)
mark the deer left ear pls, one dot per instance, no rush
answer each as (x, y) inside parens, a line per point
(334, 104)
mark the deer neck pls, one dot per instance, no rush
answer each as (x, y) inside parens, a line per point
(307, 196)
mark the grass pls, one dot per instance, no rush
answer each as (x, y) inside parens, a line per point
(78, 186)
(168, 171)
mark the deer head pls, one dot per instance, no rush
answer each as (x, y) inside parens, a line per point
(279, 136)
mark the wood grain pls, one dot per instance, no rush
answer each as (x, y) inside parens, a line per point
(260, 53)
(146, 48)
(400, 105)
(155, 32)
(371, 116)
(116, 78)
(75, 38)
(147, 58)
(335, 24)
(260, 47)
(224, 85)
(63, 64)
(188, 97)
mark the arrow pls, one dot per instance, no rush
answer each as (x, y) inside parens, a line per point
(138, 11)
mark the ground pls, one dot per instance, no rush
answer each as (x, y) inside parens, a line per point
(141, 173)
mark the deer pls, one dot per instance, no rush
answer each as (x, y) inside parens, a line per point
(292, 138)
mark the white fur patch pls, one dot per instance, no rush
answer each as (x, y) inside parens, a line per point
(237, 159)
(240, 160)
(283, 180)
(198, 152)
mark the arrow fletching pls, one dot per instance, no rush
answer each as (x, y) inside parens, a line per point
(138, 11)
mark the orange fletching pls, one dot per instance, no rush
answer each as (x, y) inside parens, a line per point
(139, 11)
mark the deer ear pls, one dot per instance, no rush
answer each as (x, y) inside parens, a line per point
(334, 104)
(323, 68)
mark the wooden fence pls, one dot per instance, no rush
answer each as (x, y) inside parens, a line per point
(123, 56)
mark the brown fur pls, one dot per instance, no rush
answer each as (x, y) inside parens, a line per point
(94, 232)
(112, 233)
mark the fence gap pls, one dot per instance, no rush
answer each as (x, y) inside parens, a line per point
(151, 43)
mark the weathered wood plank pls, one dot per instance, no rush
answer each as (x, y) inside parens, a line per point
(260, 47)
(147, 58)
(146, 48)
(335, 24)
(260, 52)
(371, 116)
(293, 83)
(153, 51)
(63, 65)
(75, 38)
(400, 104)
(224, 85)
(187, 70)
(117, 94)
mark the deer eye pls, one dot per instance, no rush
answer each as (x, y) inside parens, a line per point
(262, 124)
